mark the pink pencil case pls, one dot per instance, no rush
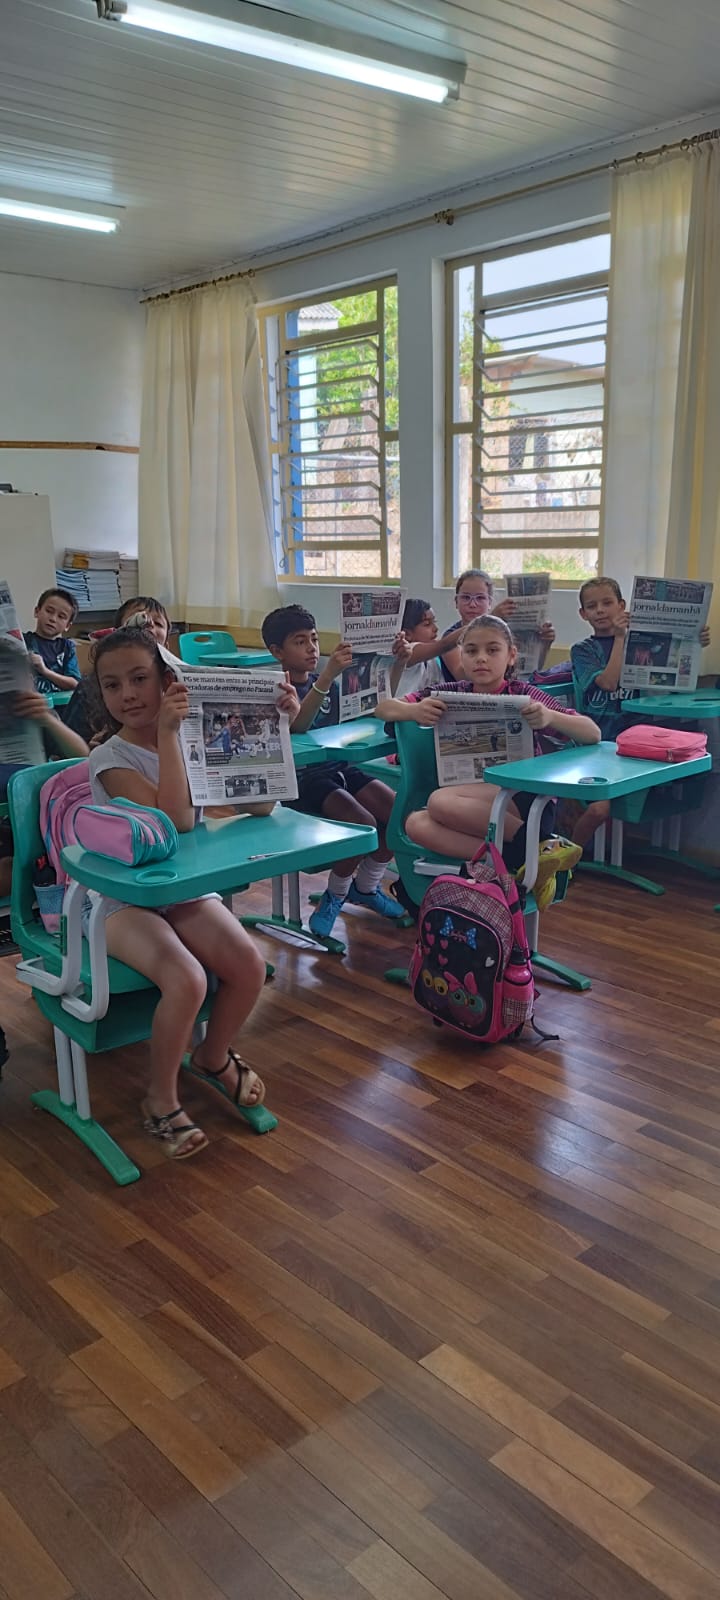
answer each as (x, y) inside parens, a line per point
(647, 742)
(123, 831)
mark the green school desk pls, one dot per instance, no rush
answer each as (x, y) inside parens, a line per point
(346, 741)
(238, 658)
(580, 772)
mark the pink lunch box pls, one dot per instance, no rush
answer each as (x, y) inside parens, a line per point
(647, 742)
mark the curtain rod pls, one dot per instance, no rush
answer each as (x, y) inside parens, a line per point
(448, 216)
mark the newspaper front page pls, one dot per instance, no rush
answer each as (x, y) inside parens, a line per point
(662, 644)
(371, 619)
(21, 741)
(479, 731)
(235, 743)
(361, 686)
(530, 595)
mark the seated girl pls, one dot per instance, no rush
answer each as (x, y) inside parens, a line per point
(455, 820)
(84, 712)
(173, 946)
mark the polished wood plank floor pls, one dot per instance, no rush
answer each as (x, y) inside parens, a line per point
(451, 1333)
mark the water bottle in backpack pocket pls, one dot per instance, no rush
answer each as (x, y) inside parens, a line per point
(471, 964)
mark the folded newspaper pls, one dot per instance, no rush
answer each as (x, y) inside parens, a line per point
(530, 595)
(371, 619)
(662, 644)
(235, 743)
(479, 731)
(21, 741)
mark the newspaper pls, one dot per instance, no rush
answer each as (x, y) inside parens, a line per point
(530, 595)
(21, 741)
(361, 685)
(479, 731)
(235, 742)
(662, 645)
(371, 619)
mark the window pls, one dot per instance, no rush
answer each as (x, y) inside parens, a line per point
(331, 372)
(525, 398)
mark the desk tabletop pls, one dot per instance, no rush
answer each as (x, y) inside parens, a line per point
(237, 658)
(678, 706)
(361, 740)
(223, 854)
(591, 772)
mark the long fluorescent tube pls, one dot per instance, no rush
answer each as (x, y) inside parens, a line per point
(294, 50)
(64, 219)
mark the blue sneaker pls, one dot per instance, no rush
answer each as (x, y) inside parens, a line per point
(377, 901)
(322, 921)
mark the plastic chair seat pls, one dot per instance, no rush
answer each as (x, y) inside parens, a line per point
(195, 646)
(33, 941)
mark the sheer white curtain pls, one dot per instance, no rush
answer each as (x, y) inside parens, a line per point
(693, 545)
(662, 466)
(205, 523)
(650, 217)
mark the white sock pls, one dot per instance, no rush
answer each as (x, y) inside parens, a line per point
(369, 875)
(338, 884)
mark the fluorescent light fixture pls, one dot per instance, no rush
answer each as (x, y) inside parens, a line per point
(275, 36)
(64, 219)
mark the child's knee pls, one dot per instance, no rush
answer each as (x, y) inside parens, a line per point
(599, 811)
(183, 978)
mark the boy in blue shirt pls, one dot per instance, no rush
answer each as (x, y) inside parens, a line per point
(53, 658)
(336, 789)
(597, 665)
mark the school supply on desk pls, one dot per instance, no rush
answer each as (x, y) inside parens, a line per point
(648, 742)
(471, 964)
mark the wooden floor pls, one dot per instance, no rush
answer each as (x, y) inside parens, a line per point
(452, 1331)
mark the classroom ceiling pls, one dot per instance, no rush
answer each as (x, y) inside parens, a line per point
(214, 156)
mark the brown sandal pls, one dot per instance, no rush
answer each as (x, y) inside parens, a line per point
(244, 1085)
(175, 1140)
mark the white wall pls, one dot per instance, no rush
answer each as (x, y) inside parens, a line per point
(71, 365)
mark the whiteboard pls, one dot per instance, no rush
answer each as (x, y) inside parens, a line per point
(27, 555)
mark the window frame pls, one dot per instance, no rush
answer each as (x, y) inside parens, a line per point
(457, 429)
(273, 345)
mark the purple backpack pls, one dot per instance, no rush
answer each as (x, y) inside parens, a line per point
(471, 964)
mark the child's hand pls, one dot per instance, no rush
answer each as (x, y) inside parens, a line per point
(174, 708)
(32, 706)
(402, 648)
(705, 636)
(428, 712)
(340, 659)
(538, 715)
(621, 624)
(36, 662)
(504, 609)
(288, 699)
(547, 633)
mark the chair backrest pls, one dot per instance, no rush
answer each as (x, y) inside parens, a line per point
(24, 803)
(194, 647)
(418, 769)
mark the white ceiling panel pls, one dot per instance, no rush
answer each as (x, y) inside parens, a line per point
(213, 156)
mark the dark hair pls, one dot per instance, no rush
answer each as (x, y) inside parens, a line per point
(474, 572)
(414, 612)
(140, 602)
(278, 625)
(59, 594)
(497, 624)
(596, 583)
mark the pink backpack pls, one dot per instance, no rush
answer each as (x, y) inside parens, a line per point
(122, 830)
(647, 742)
(471, 964)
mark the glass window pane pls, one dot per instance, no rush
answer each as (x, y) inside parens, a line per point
(572, 259)
(462, 344)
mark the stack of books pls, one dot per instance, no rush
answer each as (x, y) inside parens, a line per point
(93, 578)
(128, 578)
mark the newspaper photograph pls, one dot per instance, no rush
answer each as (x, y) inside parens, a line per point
(235, 743)
(530, 595)
(479, 731)
(21, 740)
(360, 686)
(371, 619)
(662, 644)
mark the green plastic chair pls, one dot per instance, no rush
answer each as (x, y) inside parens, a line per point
(194, 647)
(418, 769)
(93, 1002)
